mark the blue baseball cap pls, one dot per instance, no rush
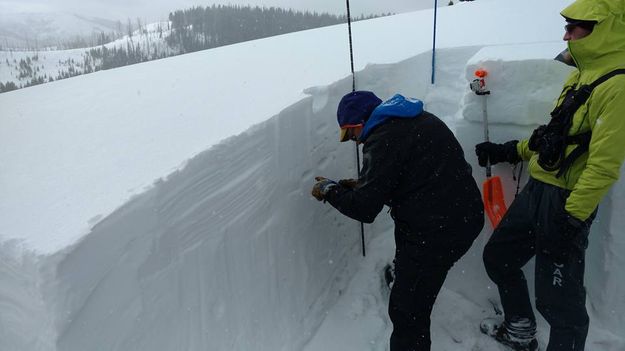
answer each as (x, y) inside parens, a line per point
(354, 110)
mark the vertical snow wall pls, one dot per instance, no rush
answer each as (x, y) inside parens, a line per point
(231, 252)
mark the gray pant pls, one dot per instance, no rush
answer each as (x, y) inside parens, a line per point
(532, 223)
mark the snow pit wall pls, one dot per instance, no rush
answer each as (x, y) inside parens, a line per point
(25, 321)
(229, 253)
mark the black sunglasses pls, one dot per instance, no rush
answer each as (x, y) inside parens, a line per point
(570, 27)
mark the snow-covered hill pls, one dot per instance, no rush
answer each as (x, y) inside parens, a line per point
(26, 68)
(164, 206)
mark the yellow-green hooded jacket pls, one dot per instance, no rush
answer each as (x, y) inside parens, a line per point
(592, 174)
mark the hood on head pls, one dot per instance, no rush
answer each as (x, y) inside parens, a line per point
(604, 48)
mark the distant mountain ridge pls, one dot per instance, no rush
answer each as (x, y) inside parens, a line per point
(49, 29)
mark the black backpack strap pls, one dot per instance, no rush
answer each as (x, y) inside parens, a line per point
(606, 77)
(583, 93)
(583, 144)
(582, 140)
(568, 161)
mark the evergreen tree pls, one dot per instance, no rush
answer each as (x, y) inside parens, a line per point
(9, 86)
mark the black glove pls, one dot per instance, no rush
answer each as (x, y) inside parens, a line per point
(496, 153)
(572, 227)
(321, 188)
(571, 233)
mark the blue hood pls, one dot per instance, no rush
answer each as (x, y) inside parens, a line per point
(395, 107)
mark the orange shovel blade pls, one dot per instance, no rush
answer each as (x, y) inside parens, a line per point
(494, 204)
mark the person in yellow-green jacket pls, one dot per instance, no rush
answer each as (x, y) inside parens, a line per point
(573, 161)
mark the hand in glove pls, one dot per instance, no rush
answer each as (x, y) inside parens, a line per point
(559, 247)
(321, 188)
(495, 153)
(348, 183)
(572, 227)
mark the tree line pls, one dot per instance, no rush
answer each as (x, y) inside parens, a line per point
(201, 28)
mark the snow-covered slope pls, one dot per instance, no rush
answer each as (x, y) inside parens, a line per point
(129, 223)
(23, 67)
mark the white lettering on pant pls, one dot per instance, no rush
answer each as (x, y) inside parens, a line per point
(557, 275)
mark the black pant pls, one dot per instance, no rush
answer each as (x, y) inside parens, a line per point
(421, 266)
(531, 223)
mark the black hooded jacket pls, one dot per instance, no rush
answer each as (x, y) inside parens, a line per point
(417, 167)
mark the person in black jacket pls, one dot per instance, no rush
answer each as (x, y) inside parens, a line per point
(412, 163)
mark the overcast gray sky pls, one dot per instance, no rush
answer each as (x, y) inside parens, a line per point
(155, 9)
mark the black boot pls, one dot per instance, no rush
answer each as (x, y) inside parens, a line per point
(518, 335)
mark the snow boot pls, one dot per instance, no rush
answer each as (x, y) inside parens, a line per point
(518, 335)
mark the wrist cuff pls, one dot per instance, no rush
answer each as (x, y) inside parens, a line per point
(327, 186)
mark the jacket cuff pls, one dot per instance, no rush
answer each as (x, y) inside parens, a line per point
(512, 154)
